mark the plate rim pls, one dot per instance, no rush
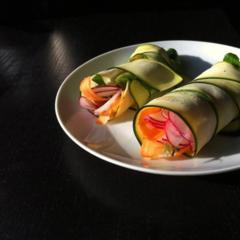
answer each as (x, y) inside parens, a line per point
(118, 162)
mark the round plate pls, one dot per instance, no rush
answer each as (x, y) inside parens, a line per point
(116, 142)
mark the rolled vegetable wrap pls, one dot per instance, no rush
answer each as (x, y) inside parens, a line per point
(110, 93)
(186, 119)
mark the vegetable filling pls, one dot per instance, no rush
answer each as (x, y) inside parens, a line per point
(165, 134)
(103, 100)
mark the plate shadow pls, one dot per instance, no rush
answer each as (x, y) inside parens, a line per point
(193, 66)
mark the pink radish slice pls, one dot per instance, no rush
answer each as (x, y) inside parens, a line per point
(107, 93)
(177, 133)
(182, 126)
(105, 88)
(106, 106)
(174, 136)
(86, 104)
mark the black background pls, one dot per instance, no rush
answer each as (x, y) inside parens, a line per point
(49, 187)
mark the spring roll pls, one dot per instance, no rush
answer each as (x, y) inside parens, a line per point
(110, 93)
(184, 120)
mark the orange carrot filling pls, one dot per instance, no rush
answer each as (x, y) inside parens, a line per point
(164, 134)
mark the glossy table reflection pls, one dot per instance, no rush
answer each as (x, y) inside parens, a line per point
(49, 187)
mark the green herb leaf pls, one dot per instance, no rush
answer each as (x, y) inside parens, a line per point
(232, 59)
(98, 79)
(172, 53)
(123, 78)
(175, 62)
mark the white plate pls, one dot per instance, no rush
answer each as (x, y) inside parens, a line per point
(116, 142)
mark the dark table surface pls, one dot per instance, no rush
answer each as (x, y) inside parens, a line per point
(52, 189)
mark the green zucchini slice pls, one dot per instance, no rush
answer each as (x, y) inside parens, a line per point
(153, 74)
(221, 101)
(221, 70)
(139, 93)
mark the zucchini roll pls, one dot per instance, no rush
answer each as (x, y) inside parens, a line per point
(110, 93)
(184, 120)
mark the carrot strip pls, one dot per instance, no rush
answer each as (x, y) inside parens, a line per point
(181, 151)
(85, 88)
